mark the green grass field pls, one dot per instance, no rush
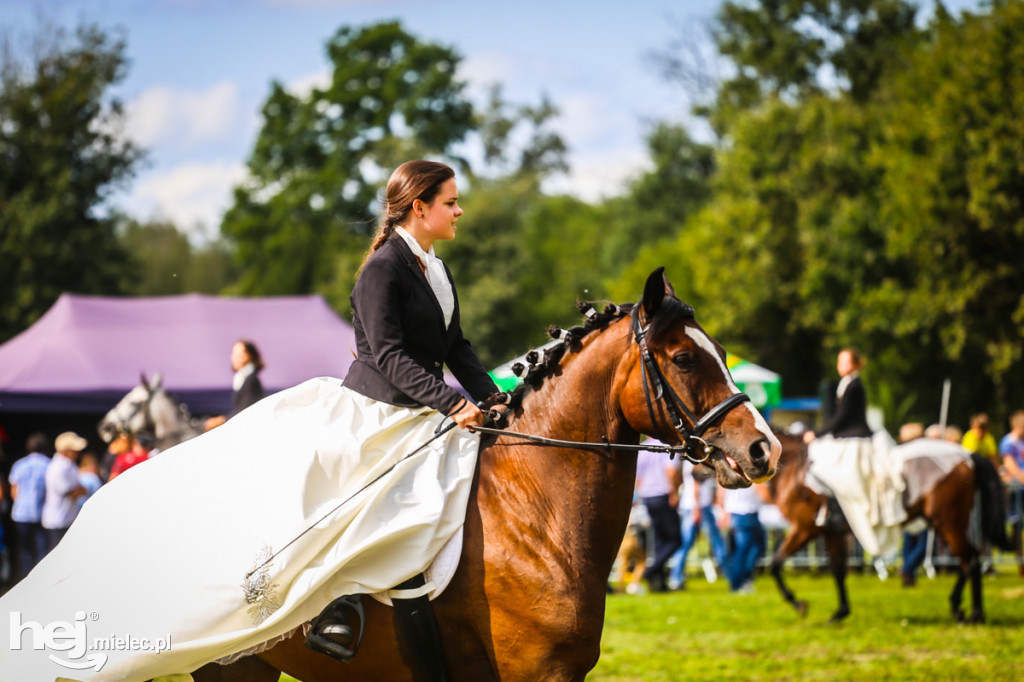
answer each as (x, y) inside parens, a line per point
(706, 633)
(894, 633)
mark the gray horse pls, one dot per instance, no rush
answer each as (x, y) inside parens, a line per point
(149, 408)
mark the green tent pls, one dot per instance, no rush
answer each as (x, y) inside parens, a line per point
(763, 386)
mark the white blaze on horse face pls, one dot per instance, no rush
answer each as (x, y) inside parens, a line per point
(705, 343)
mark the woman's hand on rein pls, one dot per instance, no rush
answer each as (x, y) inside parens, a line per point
(468, 415)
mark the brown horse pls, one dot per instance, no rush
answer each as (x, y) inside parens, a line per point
(947, 507)
(544, 522)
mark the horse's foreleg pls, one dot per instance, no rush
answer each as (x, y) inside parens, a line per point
(794, 540)
(835, 545)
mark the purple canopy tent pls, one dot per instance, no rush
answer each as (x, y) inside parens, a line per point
(86, 352)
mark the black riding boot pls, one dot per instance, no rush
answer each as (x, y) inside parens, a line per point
(338, 630)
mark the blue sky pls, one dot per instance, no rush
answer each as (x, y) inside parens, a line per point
(200, 70)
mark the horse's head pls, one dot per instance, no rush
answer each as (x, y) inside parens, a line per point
(679, 390)
(132, 414)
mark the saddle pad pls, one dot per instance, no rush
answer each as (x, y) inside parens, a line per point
(437, 576)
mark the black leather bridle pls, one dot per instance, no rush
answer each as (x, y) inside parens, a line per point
(654, 381)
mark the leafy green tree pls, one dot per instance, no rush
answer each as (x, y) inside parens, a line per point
(320, 158)
(952, 205)
(62, 152)
(889, 220)
(164, 262)
(522, 260)
(541, 155)
(659, 202)
(797, 48)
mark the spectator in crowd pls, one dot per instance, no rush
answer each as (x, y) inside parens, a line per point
(632, 557)
(247, 363)
(741, 506)
(658, 478)
(979, 440)
(696, 506)
(28, 492)
(138, 453)
(1011, 449)
(915, 544)
(62, 487)
(88, 476)
(121, 444)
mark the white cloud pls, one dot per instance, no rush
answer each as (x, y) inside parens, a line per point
(484, 69)
(187, 118)
(601, 173)
(303, 85)
(193, 196)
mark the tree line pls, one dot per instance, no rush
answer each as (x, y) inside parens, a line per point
(862, 186)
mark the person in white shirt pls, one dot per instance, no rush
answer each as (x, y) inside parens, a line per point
(742, 505)
(696, 507)
(63, 487)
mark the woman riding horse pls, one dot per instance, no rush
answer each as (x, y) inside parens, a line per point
(856, 466)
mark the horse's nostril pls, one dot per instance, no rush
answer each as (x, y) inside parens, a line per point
(759, 451)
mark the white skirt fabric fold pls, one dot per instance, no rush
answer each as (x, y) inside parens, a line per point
(165, 553)
(865, 475)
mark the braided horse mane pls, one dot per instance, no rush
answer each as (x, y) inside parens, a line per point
(545, 363)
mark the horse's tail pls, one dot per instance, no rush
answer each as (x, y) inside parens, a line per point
(993, 506)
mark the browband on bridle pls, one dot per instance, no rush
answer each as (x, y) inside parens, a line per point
(652, 377)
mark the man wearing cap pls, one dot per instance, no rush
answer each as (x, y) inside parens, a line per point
(63, 487)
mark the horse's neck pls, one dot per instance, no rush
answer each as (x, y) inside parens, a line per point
(172, 423)
(792, 471)
(578, 498)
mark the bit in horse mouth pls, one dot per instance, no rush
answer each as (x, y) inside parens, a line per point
(734, 465)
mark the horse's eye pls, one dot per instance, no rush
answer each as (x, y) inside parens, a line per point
(683, 361)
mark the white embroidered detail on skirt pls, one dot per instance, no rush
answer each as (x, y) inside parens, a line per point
(258, 590)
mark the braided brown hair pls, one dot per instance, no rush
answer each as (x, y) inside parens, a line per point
(411, 181)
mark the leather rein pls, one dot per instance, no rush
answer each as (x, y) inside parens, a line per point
(654, 382)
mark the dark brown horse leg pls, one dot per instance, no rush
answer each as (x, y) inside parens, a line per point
(948, 506)
(970, 569)
(835, 545)
(977, 601)
(956, 596)
(794, 540)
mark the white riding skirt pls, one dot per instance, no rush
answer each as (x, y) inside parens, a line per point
(866, 476)
(165, 553)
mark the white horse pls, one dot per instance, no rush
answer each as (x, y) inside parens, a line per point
(149, 408)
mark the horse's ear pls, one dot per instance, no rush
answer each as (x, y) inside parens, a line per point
(655, 290)
(143, 380)
(158, 379)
